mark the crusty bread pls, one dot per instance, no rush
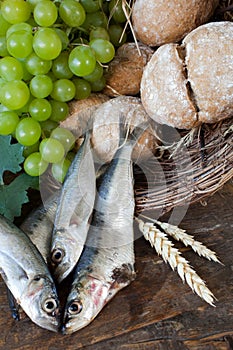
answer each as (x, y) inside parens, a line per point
(209, 62)
(157, 22)
(163, 89)
(124, 72)
(106, 128)
(183, 85)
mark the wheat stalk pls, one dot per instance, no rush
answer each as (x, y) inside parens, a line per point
(188, 240)
(171, 255)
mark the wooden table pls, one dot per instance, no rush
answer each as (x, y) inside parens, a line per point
(157, 311)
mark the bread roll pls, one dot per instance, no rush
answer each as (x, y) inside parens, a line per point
(106, 128)
(124, 72)
(184, 85)
(157, 22)
(209, 62)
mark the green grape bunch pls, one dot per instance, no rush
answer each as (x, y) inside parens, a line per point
(50, 53)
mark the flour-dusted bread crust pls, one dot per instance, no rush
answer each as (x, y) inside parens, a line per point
(184, 85)
(124, 72)
(79, 119)
(106, 128)
(157, 22)
(209, 62)
(164, 92)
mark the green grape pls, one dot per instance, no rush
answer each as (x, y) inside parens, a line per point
(47, 127)
(3, 47)
(10, 68)
(26, 75)
(63, 90)
(19, 44)
(4, 25)
(60, 110)
(15, 11)
(18, 27)
(52, 151)
(8, 122)
(24, 110)
(116, 37)
(45, 13)
(28, 131)
(47, 43)
(34, 165)
(83, 88)
(63, 36)
(59, 170)
(116, 11)
(36, 65)
(27, 150)
(60, 67)
(95, 19)
(14, 94)
(40, 109)
(82, 61)
(33, 3)
(2, 107)
(99, 33)
(64, 136)
(72, 13)
(95, 75)
(104, 50)
(91, 5)
(41, 86)
(98, 85)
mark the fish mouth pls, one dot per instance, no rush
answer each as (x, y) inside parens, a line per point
(70, 326)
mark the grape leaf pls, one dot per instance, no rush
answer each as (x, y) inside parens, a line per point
(13, 196)
(11, 156)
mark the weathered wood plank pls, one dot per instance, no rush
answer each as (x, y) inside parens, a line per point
(156, 311)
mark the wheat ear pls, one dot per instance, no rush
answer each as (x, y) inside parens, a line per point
(171, 255)
(188, 240)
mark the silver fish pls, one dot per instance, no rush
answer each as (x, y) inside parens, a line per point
(75, 206)
(38, 225)
(107, 262)
(26, 275)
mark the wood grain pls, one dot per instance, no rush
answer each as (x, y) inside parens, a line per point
(157, 311)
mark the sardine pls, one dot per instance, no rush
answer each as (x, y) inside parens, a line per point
(107, 263)
(38, 225)
(27, 276)
(75, 206)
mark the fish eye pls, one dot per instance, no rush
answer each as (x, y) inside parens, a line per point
(75, 307)
(57, 255)
(50, 305)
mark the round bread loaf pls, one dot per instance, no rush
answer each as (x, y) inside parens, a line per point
(106, 128)
(184, 85)
(209, 63)
(157, 22)
(124, 72)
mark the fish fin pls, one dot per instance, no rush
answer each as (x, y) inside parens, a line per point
(13, 305)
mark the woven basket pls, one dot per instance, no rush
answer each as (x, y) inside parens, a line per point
(191, 169)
